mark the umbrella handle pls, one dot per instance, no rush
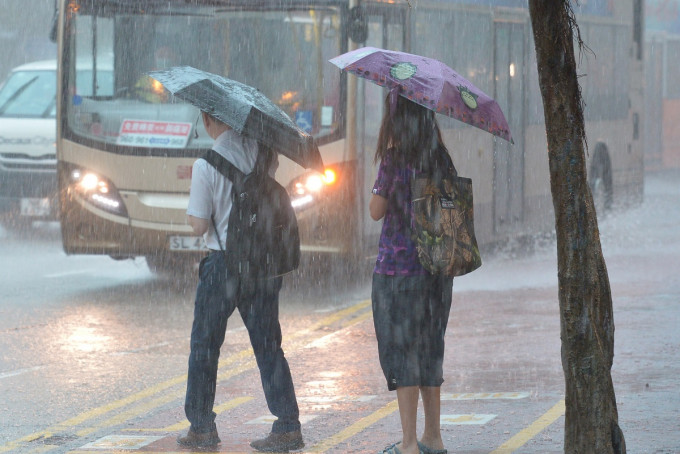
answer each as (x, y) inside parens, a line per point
(394, 96)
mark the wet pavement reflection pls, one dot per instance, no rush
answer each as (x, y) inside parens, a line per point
(94, 351)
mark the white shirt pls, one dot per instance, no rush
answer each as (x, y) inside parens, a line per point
(210, 193)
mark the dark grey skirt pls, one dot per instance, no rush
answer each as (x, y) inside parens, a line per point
(410, 314)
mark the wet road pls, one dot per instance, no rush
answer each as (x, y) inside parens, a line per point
(94, 351)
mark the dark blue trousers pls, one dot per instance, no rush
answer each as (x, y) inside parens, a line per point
(257, 301)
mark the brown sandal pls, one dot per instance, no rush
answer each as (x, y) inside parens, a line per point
(424, 449)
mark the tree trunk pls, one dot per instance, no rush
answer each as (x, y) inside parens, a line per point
(586, 315)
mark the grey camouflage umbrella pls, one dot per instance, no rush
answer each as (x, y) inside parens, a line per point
(243, 108)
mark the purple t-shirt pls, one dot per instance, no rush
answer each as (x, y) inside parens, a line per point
(397, 254)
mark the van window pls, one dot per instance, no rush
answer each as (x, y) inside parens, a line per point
(29, 94)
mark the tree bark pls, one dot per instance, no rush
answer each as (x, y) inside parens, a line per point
(586, 314)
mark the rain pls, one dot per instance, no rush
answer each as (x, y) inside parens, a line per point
(99, 267)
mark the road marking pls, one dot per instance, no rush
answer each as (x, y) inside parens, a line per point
(271, 419)
(120, 418)
(168, 397)
(330, 399)
(122, 442)
(141, 349)
(318, 399)
(14, 373)
(117, 451)
(484, 396)
(94, 413)
(328, 338)
(43, 448)
(233, 403)
(355, 428)
(534, 429)
(464, 420)
(359, 398)
(66, 273)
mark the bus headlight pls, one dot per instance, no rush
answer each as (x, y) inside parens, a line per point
(97, 190)
(310, 187)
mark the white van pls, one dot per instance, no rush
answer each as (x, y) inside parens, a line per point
(28, 185)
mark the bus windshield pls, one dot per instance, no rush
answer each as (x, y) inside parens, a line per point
(281, 53)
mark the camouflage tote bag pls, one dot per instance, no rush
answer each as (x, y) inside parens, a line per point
(443, 222)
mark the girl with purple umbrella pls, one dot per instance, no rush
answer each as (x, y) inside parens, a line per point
(410, 305)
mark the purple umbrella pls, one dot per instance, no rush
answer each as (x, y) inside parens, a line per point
(427, 82)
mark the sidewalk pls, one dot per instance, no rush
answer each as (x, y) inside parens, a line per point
(642, 252)
(504, 385)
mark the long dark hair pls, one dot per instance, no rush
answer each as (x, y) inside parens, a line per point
(411, 131)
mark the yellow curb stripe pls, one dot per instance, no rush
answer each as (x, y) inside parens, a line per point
(160, 387)
(355, 428)
(534, 429)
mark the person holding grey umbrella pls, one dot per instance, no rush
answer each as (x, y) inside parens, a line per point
(219, 294)
(245, 126)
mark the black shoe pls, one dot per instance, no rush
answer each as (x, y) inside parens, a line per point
(198, 440)
(279, 442)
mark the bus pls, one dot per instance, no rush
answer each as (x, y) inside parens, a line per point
(125, 150)
(662, 98)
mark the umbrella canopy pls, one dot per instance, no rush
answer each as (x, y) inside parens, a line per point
(243, 108)
(427, 82)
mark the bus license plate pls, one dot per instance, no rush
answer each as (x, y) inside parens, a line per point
(186, 243)
(35, 207)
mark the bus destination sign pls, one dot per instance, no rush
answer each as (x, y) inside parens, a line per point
(157, 134)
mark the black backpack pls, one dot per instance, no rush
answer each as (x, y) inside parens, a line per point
(262, 235)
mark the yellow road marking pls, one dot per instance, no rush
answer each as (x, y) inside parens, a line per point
(482, 396)
(132, 412)
(160, 387)
(43, 448)
(334, 318)
(99, 451)
(530, 432)
(355, 428)
(233, 403)
(231, 372)
(94, 413)
(359, 318)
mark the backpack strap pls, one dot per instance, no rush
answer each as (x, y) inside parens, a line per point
(226, 168)
(232, 173)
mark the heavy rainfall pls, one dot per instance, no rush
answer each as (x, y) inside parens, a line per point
(99, 263)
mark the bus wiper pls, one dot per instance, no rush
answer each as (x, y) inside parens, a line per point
(16, 95)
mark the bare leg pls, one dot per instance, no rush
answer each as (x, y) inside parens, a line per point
(407, 396)
(432, 436)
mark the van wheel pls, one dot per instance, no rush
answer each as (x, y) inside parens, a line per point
(16, 223)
